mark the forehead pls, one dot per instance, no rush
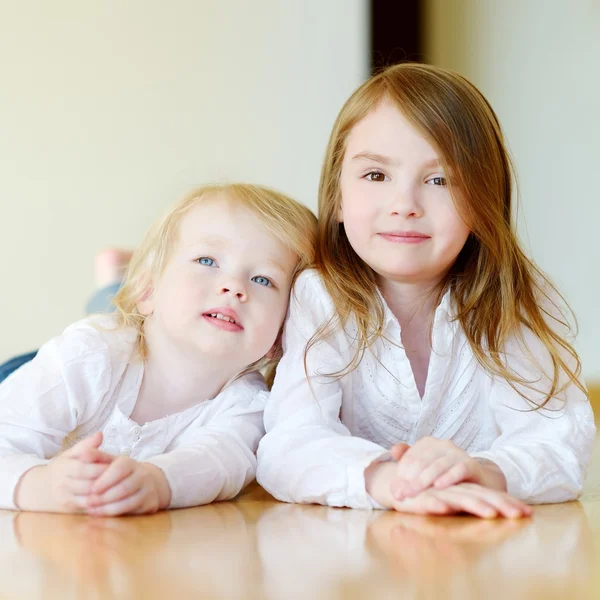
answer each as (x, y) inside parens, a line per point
(385, 130)
(224, 222)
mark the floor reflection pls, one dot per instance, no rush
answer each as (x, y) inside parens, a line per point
(263, 549)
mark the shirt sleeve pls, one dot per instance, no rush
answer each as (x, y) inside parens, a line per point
(46, 399)
(544, 453)
(215, 460)
(307, 454)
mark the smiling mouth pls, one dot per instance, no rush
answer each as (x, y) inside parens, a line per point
(222, 317)
(223, 321)
(404, 237)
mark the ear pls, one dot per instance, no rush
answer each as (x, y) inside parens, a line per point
(145, 304)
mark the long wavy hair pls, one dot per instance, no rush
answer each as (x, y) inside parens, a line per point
(496, 289)
(290, 222)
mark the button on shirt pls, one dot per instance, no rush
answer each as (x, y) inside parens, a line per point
(322, 434)
(88, 379)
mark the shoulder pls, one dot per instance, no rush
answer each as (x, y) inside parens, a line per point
(248, 391)
(310, 295)
(98, 335)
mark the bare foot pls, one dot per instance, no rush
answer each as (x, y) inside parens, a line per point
(110, 265)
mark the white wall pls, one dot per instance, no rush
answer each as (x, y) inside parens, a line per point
(110, 110)
(538, 62)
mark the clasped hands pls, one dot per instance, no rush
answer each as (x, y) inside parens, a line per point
(435, 477)
(84, 479)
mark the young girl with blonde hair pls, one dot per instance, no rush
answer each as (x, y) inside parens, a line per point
(159, 405)
(424, 329)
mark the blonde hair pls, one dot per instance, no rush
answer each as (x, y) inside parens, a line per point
(288, 221)
(495, 288)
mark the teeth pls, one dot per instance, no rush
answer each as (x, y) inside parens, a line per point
(222, 317)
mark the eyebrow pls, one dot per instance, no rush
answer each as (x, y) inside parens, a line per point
(276, 265)
(216, 241)
(386, 160)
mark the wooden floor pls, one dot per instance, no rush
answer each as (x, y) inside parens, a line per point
(258, 548)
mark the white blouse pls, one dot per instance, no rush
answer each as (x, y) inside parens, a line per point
(88, 380)
(322, 434)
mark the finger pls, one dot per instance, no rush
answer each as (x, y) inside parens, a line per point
(93, 455)
(437, 469)
(423, 504)
(78, 487)
(412, 473)
(506, 505)
(420, 456)
(121, 507)
(397, 451)
(75, 503)
(93, 441)
(81, 470)
(118, 470)
(465, 500)
(125, 488)
(455, 474)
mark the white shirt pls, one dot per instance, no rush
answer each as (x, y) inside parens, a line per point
(322, 435)
(87, 380)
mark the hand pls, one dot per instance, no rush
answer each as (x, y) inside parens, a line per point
(469, 498)
(63, 484)
(464, 497)
(440, 464)
(129, 487)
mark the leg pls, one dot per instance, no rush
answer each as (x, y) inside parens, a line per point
(14, 363)
(110, 268)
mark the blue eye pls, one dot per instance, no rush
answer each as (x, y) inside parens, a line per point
(206, 261)
(441, 181)
(262, 281)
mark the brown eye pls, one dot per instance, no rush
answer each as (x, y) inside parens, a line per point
(438, 181)
(375, 176)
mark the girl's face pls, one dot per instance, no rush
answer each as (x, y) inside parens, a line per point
(396, 206)
(225, 289)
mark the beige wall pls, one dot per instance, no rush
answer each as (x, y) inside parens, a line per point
(538, 62)
(109, 111)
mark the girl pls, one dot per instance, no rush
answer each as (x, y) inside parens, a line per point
(160, 404)
(423, 326)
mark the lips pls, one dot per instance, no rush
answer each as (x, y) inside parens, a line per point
(224, 318)
(404, 237)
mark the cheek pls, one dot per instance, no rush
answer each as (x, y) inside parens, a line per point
(269, 321)
(453, 230)
(357, 209)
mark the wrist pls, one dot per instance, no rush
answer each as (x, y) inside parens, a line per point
(162, 486)
(492, 475)
(31, 492)
(378, 478)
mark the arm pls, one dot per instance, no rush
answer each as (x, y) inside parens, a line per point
(307, 454)
(544, 454)
(216, 460)
(40, 404)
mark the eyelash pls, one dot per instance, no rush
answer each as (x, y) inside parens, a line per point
(442, 180)
(269, 282)
(368, 178)
(444, 184)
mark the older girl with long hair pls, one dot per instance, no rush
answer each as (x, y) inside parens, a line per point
(428, 363)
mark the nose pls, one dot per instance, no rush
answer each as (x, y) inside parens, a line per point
(406, 203)
(234, 287)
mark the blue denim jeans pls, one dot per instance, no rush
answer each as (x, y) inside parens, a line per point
(99, 302)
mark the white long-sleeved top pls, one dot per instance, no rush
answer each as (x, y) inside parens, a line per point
(322, 433)
(88, 380)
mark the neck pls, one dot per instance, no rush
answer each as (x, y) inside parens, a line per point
(411, 303)
(176, 378)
